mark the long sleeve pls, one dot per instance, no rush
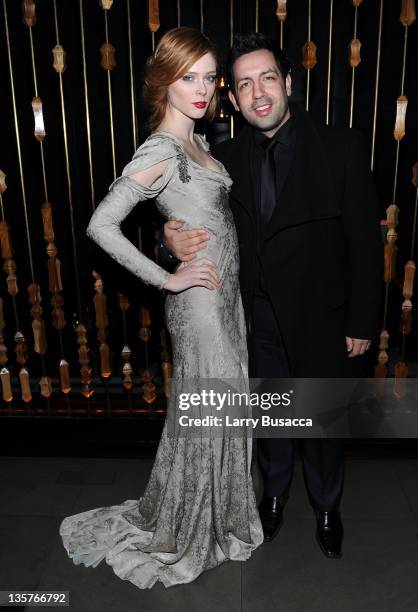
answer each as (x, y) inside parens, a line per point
(124, 193)
(365, 245)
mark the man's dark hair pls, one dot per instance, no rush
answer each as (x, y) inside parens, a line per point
(246, 43)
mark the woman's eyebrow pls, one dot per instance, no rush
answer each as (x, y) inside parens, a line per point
(209, 72)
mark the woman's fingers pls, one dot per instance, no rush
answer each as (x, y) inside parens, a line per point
(205, 278)
(200, 272)
(207, 273)
(206, 261)
(206, 283)
(213, 278)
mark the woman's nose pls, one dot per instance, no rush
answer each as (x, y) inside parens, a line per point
(201, 87)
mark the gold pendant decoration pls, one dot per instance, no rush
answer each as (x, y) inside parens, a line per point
(28, 9)
(25, 385)
(391, 250)
(45, 384)
(107, 52)
(64, 373)
(106, 4)
(408, 14)
(401, 106)
(153, 15)
(354, 53)
(6, 385)
(100, 305)
(39, 119)
(59, 59)
(84, 359)
(5, 379)
(281, 12)
(126, 353)
(309, 55)
(38, 325)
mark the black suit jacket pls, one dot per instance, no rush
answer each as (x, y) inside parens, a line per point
(322, 253)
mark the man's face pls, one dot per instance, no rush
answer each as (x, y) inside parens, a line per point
(260, 92)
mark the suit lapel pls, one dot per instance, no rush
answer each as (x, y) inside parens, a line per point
(240, 169)
(307, 192)
(284, 172)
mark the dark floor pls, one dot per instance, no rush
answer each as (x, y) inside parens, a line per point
(378, 572)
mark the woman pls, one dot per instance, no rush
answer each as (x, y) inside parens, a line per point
(199, 507)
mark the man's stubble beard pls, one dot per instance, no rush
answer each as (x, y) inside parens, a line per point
(275, 121)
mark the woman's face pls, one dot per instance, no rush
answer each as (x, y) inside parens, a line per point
(190, 94)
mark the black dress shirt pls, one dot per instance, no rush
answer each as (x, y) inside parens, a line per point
(284, 151)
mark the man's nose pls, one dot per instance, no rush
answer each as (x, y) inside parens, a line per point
(258, 90)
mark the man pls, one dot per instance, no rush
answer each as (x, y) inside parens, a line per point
(311, 262)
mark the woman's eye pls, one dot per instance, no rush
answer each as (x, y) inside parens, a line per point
(211, 78)
(188, 77)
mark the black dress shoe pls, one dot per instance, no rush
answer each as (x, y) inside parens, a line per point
(329, 533)
(271, 515)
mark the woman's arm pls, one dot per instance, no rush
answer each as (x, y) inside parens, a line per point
(141, 180)
(123, 196)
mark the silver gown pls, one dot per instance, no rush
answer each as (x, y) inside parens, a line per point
(199, 507)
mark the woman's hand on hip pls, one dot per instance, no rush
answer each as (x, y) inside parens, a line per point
(198, 273)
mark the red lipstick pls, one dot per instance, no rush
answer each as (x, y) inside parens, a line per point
(200, 104)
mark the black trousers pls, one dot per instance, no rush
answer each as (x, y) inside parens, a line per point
(323, 458)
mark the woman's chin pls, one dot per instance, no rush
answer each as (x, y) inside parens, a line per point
(196, 114)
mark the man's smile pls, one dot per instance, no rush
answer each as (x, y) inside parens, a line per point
(263, 109)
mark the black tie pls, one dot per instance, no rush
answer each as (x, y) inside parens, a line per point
(268, 195)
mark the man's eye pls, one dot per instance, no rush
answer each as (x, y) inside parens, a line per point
(272, 78)
(243, 85)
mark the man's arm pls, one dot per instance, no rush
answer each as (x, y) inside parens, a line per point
(165, 258)
(365, 247)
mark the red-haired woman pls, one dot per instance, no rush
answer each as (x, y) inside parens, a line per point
(199, 507)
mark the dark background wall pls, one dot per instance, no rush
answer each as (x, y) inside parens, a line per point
(216, 23)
